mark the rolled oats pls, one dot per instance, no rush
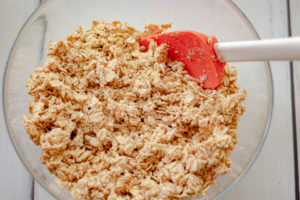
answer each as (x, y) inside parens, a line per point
(114, 122)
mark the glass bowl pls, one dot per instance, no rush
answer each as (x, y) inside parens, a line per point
(55, 19)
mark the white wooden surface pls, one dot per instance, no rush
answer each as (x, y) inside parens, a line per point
(15, 181)
(295, 29)
(271, 176)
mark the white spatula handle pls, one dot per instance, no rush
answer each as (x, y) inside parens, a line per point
(260, 50)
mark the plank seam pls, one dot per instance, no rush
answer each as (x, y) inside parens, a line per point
(32, 189)
(294, 124)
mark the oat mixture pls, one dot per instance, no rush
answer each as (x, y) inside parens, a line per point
(114, 122)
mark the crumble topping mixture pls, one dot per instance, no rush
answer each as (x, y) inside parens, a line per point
(114, 122)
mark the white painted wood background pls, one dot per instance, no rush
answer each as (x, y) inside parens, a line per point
(271, 177)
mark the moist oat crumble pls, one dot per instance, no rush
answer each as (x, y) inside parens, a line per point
(114, 122)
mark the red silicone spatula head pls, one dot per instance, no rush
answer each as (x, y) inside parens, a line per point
(196, 51)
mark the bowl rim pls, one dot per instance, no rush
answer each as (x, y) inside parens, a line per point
(233, 6)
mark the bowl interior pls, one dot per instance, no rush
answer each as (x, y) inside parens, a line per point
(55, 19)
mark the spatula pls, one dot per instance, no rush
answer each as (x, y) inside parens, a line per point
(205, 58)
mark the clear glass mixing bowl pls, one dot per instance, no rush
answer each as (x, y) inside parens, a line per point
(55, 19)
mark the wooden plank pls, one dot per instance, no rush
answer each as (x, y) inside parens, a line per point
(16, 182)
(40, 193)
(295, 31)
(272, 175)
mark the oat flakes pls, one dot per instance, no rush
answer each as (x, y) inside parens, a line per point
(114, 122)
